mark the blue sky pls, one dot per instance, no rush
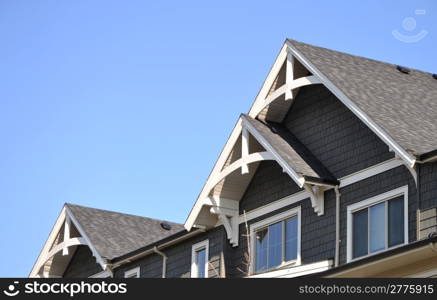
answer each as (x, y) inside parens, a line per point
(125, 105)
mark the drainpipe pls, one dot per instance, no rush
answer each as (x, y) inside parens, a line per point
(337, 226)
(164, 260)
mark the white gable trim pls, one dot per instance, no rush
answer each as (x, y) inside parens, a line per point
(217, 175)
(65, 217)
(268, 82)
(381, 133)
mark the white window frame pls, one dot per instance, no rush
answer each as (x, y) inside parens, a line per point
(131, 272)
(402, 191)
(294, 212)
(194, 249)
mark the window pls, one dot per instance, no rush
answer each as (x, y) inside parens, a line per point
(199, 260)
(276, 241)
(134, 273)
(378, 223)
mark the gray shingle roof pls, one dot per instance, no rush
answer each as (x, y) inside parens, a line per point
(114, 234)
(289, 148)
(404, 105)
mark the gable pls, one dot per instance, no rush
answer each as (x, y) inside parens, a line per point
(364, 141)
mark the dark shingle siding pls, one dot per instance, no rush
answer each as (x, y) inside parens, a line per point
(404, 105)
(268, 184)
(83, 264)
(333, 134)
(179, 258)
(317, 236)
(428, 185)
(374, 186)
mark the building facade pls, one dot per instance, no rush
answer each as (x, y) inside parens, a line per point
(331, 173)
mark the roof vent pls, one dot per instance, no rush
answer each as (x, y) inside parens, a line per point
(434, 76)
(165, 226)
(403, 69)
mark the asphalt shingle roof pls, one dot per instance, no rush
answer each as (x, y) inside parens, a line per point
(114, 234)
(297, 156)
(404, 105)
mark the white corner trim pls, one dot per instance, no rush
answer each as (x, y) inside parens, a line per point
(132, 273)
(382, 134)
(369, 202)
(294, 212)
(194, 267)
(296, 271)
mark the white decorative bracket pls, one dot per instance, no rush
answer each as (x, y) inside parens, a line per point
(244, 150)
(289, 77)
(227, 212)
(317, 196)
(67, 230)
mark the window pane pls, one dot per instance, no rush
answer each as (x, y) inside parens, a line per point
(275, 245)
(360, 233)
(201, 261)
(396, 221)
(377, 227)
(261, 250)
(291, 239)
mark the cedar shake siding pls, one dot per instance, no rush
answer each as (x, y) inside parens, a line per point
(179, 258)
(317, 236)
(428, 185)
(332, 133)
(268, 184)
(374, 186)
(83, 264)
(314, 141)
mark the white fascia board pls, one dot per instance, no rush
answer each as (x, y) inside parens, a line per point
(409, 159)
(49, 242)
(216, 170)
(268, 82)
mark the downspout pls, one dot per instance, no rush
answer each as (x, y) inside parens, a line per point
(337, 226)
(164, 261)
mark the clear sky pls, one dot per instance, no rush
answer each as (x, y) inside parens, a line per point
(125, 105)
